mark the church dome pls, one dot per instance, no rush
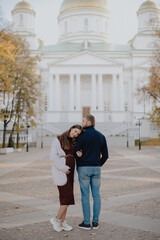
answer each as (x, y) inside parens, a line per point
(148, 4)
(23, 5)
(72, 4)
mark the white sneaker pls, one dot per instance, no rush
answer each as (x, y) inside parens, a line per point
(66, 227)
(57, 224)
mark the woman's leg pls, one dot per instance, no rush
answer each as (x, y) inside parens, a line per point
(62, 212)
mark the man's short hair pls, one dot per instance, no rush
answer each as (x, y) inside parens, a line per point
(90, 118)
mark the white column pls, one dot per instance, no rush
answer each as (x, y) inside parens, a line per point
(121, 92)
(71, 92)
(100, 93)
(78, 91)
(114, 92)
(57, 92)
(50, 93)
(93, 92)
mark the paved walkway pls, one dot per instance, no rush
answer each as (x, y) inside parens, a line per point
(130, 197)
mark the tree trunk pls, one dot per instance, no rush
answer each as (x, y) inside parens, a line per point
(10, 141)
(18, 131)
(17, 139)
(4, 133)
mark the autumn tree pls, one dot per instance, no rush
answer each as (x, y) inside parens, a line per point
(7, 61)
(151, 90)
(24, 91)
(27, 89)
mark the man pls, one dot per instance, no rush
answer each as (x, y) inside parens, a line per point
(94, 154)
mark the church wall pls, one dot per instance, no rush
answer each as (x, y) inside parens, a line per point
(128, 89)
(143, 41)
(76, 25)
(64, 93)
(107, 86)
(143, 107)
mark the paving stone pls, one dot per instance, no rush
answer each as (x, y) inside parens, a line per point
(130, 197)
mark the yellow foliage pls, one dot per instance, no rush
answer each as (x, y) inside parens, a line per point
(19, 82)
(7, 61)
(6, 50)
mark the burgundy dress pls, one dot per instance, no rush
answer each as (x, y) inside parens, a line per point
(66, 195)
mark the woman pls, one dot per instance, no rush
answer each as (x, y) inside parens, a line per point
(63, 167)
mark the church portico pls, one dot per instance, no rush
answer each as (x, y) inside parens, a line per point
(71, 93)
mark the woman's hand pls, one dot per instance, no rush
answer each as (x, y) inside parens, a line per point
(68, 171)
(79, 153)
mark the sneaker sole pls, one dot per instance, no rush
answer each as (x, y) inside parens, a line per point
(84, 228)
(67, 230)
(95, 228)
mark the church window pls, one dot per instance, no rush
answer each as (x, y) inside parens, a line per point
(65, 28)
(126, 106)
(86, 25)
(21, 19)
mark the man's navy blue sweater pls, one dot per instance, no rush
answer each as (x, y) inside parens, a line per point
(94, 148)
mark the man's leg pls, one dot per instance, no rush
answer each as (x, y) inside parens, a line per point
(84, 181)
(95, 188)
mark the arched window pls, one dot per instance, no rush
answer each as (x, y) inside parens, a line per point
(86, 24)
(21, 19)
(65, 28)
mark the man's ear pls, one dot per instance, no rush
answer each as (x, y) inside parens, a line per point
(89, 123)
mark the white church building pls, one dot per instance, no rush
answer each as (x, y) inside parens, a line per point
(84, 72)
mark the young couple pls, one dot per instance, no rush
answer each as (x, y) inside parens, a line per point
(89, 148)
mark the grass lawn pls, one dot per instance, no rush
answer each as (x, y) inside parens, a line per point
(151, 142)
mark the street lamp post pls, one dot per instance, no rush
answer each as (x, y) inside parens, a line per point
(4, 115)
(27, 146)
(42, 136)
(127, 138)
(139, 124)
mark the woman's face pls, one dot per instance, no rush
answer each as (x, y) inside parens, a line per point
(75, 132)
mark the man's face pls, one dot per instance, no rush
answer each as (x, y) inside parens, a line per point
(85, 122)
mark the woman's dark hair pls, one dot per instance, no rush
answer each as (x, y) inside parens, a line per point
(64, 137)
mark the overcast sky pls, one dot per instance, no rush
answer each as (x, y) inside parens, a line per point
(122, 25)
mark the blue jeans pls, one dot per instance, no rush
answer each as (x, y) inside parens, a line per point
(90, 177)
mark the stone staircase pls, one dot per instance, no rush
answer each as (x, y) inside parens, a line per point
(108, 128)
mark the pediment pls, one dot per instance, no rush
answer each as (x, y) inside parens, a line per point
(86, 58)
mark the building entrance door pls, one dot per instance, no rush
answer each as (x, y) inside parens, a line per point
(86, 110)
